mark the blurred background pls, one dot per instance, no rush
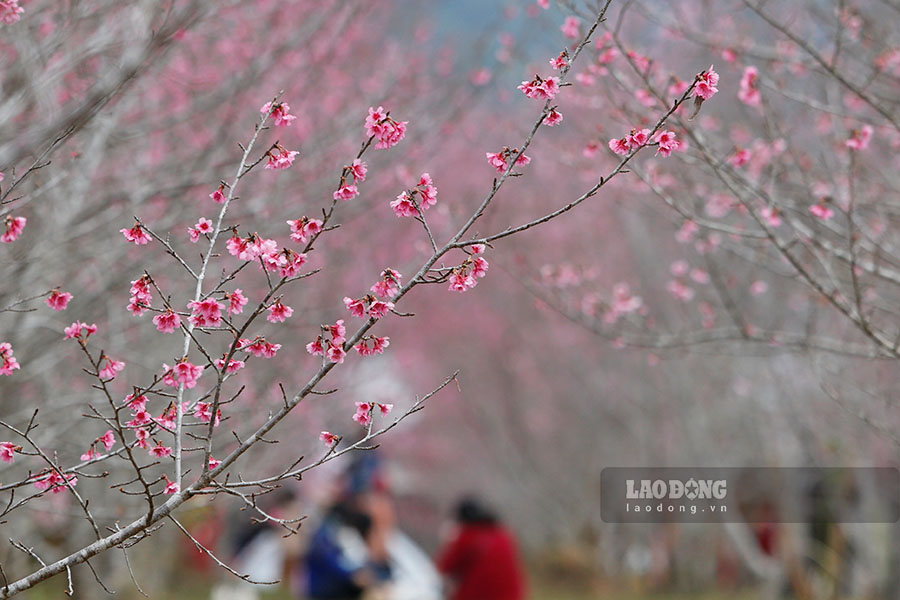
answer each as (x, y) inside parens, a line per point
(640, 329)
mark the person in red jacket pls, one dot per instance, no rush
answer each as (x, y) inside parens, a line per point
(481, 561)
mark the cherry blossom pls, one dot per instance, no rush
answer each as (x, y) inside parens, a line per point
(10, 11)
(58, 300)
(213, 463)
(667, 142)
(335, 353)
(203, 226)
(328, 438)
(385, 408)
(55, 482)
(280, 158)
(233, 365)
(236, 301)
(357, 170)
(421, 197)
(389, 285)
(346, 192)
(183, 373)
(14, 228)
(141, 298)
(111, 369)
(206, 313)
(771, 216)
(860, 138)
(561, 61)
(136, 235)
(371, 345)
(554, 117)
(280, 113)
(203, 412)
(167, 322)
(8, 451)
(79, 331)
(260, 348)
(304, 229)
(740, 158)
(571, 27)
(822, 211)
(540, 89)
(500, 160)
(171, 487)
(142, 436)
(748, 92)
(279, 312)
(218, 196)
(705, 87)
(363, 414)
(380, 125)
(108, 439)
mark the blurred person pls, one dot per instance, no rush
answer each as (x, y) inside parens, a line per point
(481, 560)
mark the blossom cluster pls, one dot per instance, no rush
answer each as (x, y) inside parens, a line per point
(380, 125)
(14, 228)
(330, 345)
(418, 199)
(540, 89)
(500, 160)
(8, 362)
(465, 276)
(10, 11)
(364, 410)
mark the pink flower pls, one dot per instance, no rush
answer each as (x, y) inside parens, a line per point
(749, 87)
(386, 408)
(561, 61)
(378, 345)
(76, 329)
(280, 113)
(141, 418)
(136, 234)
(316, 347)
(680, 291)
(860, 138)
(461, 282)
(160, 451)
(705, 88)
(183, 373)
(338, 332)
(570, 27)
(540, 89)
(638, 137)
(233, 365)
(379, 308)
(554, 117)
(8, 451)
(421, 197)
(358, 170)
(260, 348)
(142, 435)
(55, 482)
(218, 196)
(206, 313)
(821, 211)
(292, 263)
(356, 307)
(335, 353)
(770, 214)
(389, 286)
(500, 160)
(328, 438)
(203, 226)
(58, 300)
(167, 322)
(619, 146)
(758, 288)
(740, 158)
(14, 228)
(171, 487)
(363, 414)
(141, 298)
(278, 312)
(136, 403)
(203, 412)
(236, 302)
(10, 11)
(304, 229)
(346, 192)
(213, 463)
(381, 126)
(667, 142)
(112, 368)
(280, 158)
(108, 439)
